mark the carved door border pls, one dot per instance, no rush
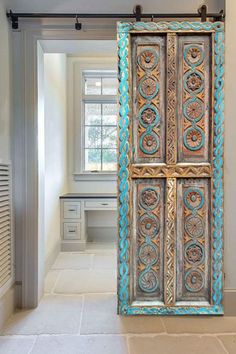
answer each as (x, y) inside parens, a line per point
(215, 170)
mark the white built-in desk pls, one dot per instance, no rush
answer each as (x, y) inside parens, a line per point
(74, 217)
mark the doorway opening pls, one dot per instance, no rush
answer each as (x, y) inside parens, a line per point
(77, 119)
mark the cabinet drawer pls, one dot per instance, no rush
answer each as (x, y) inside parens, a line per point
(72, 230)
(93, 204)
(71, 210)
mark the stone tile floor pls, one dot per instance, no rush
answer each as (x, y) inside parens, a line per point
(78, 315)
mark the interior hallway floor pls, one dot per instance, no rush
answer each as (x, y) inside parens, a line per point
(78, 315)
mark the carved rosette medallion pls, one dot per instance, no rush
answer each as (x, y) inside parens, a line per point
(149, 143)
(148, 281)
(193, 109)
(148, 87)
(148, 59)
(193, 54)
(149, 198)
(193, 138)
(148, 116)
(194, 280)
(194, 226)
(148, 254)
(193, 82)
(194, 253)
(193, 198)
(149, 225)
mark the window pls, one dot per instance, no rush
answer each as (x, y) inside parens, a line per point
(99, 123)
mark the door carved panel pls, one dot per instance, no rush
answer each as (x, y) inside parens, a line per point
(170, 178)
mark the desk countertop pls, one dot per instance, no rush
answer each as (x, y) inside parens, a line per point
(87, 196)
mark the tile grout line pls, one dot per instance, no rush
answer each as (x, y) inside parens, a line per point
(82, 314)
(163, 324)
(33, 345)
(221, 344)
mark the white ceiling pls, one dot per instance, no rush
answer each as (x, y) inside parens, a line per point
(111, 6)
(82, 48)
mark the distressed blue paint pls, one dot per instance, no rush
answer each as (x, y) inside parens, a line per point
(124, 306)
(201, 143)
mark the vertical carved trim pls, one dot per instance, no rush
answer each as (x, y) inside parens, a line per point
(170, 241)
(171, 141)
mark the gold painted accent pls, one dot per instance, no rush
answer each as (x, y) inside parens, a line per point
(177, 171)
(170, 240)
(171, 139)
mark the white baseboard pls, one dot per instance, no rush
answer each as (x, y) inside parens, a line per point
(7, 305)
(50, 258)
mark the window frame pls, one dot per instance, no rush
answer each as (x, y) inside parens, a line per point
(100, 99)
(76, 67)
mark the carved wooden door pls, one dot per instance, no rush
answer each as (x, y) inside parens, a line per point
(170, 168)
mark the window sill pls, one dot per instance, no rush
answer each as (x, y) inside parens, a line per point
(95, 176)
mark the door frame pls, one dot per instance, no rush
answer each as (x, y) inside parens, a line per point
(124, 173)
(25, 150)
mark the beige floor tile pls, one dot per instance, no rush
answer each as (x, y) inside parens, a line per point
(50, 280)
(16, 345)
(200, 324)
(104, 261)
(67, 260)
(229, 342)
(54, 315)
(80, 345)
(165, 344)
(105, 247)
(99, 316)
(86, 281)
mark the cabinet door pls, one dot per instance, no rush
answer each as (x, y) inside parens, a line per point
(170, 177)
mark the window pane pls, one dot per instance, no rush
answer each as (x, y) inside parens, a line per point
(109, 114)
(92, 137)
(92, 160)
(93, 86)
(109, 86)
(92, 114)
(109, 136)
(109, 159)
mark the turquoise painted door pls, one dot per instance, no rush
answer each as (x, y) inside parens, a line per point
(170, 179)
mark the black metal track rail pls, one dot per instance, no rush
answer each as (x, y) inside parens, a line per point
(137, 15)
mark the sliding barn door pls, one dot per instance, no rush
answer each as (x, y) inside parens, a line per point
(170, 168)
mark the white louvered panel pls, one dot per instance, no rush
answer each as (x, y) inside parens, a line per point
(5, 226)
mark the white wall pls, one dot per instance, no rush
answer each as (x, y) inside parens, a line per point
(7, 301)
(5, 89)
(230, 147)
(55, 149)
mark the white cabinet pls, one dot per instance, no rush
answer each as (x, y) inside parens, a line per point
(71, 210)
(72, 230)
(74, 209)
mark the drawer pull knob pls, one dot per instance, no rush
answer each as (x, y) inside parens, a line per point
(72, 209)
(72, 231)
(104, 203)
